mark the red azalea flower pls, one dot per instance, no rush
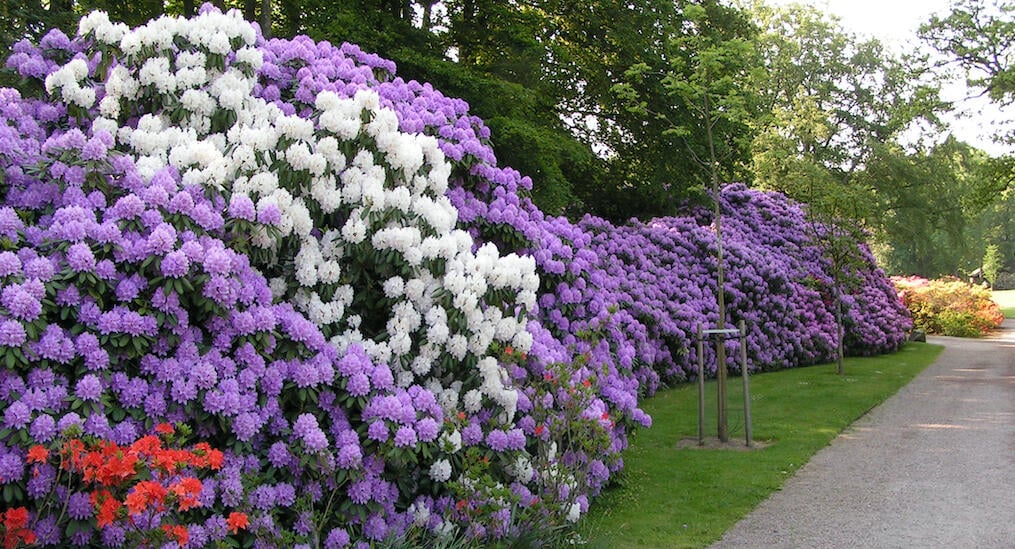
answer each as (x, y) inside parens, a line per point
(71, 452)
(205, 456)
(38, 454)
(15, 518)
(109, 465)
(145, 493)
(187, 490)
(108, 507)
(146, 445)
(169, 460)
(164, 429)
(27, 536)
(177, 532)
(237, 522)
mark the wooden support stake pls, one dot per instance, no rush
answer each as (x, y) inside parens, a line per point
(747, 385)
(701, 389)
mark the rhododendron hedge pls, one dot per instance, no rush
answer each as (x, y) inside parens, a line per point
(321, 269)
(949, 306)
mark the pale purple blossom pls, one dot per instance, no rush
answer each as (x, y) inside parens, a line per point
(12, 333)
(88, 387)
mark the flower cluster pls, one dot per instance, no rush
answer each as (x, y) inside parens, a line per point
(136, 491)
(320, 268)
(949, 306)
(14, 530)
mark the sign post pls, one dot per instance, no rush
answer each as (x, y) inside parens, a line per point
(701, 389)
(722, 334)
(747, 385)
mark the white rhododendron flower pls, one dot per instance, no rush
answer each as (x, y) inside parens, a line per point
(440, 471)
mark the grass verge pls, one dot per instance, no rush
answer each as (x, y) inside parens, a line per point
(1006, 299)
(669, 497)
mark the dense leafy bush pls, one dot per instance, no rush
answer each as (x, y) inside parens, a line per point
(321, 270)
(1004, 281)
(949, 306)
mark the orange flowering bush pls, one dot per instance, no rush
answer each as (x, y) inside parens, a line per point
(134, 492)
(949, 306)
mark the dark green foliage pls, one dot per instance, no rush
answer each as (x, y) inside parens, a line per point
(934, 209)
(20, 19)
(596, 102)
(133, 12)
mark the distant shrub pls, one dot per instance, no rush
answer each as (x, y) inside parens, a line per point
(948, 306)
(1005, 281)
(992, 263)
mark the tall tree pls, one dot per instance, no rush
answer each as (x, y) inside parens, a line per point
(708, 80)
(839, 110)
(925, 220)
(979, 36)
(834, 100)
(663, 142)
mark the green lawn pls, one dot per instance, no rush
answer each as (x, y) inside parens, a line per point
(669, 497)
(1006, 299)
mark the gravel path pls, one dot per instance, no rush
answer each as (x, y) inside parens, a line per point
(934, 466)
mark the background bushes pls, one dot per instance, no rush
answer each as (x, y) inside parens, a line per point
(949, 306)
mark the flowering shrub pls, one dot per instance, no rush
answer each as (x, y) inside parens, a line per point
(320, 268)
(14, 528)
(123, 493)
(135, 226)
(949, 306)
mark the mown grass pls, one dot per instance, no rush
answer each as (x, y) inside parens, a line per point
(1006, 299)
(669, 497)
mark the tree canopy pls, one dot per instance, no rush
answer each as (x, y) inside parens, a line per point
(603, 103)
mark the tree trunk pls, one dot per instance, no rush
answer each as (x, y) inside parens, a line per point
(465, 50)
(61, 6)
(265, 20)
(427, 16)
(720, 347)
(839, 328)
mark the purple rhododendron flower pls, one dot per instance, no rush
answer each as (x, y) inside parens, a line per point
(242, 207)
(89, 387)
(12, 333)
(17, 415)
(12, 467)
(80, 257)
(20, 303)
